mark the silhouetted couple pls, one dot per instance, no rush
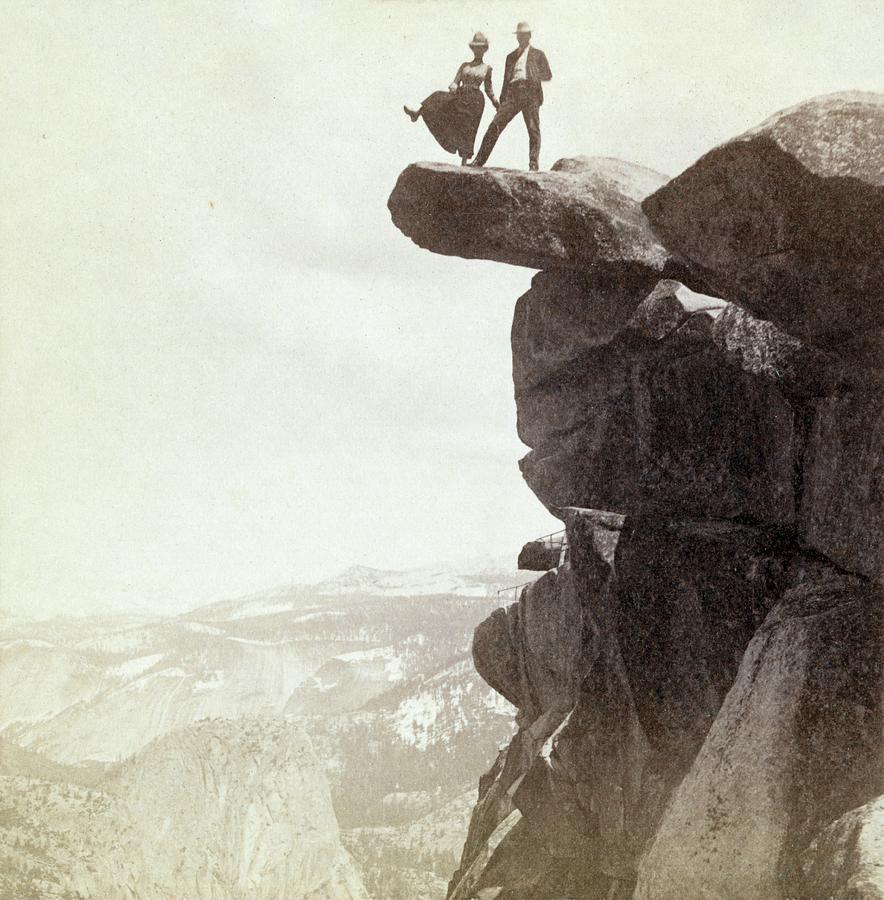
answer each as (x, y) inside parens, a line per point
(453, 116)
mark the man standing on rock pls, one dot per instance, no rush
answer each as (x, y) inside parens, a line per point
(526, 70)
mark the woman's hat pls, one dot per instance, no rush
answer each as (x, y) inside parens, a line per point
(522, 28)
(479, 40)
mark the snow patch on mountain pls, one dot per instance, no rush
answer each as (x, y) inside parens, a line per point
(253, 642)
(132, 668)
(200, 628)
(415, 717)
(259, 608)
(393, 671)
(213, 681)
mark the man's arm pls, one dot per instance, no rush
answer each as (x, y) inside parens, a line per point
(543, 65)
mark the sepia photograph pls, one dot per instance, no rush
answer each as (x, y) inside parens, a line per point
(442, 450)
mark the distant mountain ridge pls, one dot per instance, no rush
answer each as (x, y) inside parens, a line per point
(473, 578)
(470, 577)
(476, 577)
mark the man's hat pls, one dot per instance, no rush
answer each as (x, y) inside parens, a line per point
(479, 40)
(522, 28)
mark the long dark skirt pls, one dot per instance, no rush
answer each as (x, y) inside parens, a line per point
(453, 118)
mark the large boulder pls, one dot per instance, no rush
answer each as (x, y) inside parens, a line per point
(759, 347)
(568, 319)
(574, 339)
(539, 556)
(846, 861)
(673, 308)
(788, 220)
(529, 652)
(536, 219)
(495, 653)
(796, 744)
(660, 420)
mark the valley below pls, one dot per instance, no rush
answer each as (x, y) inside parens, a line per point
(312, 741)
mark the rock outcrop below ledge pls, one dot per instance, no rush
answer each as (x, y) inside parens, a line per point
(541, 220)
(635, 425)
(695, 407)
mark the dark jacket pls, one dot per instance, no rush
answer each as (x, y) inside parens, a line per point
(536, 69)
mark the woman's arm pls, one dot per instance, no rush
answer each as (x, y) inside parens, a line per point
(456, 83)
(489, 89)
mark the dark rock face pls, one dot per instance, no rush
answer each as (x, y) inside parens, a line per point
(796, 744)
(567, 318)
(612, 716)
(695, 460)
(788, 220)
(695, 407)
(666, 652)
(727, 706)
(637, 424)
(842, 504)
(700, 678)
(541, 854)
(536, 219)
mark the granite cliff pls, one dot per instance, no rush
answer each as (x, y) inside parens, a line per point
(699, 674)
(221, 809)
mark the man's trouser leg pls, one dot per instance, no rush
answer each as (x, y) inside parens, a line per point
(502, 118)
(531, 114)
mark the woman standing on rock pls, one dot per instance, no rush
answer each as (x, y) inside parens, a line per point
(453, 116)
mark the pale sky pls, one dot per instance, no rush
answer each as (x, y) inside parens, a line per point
(221, 366)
